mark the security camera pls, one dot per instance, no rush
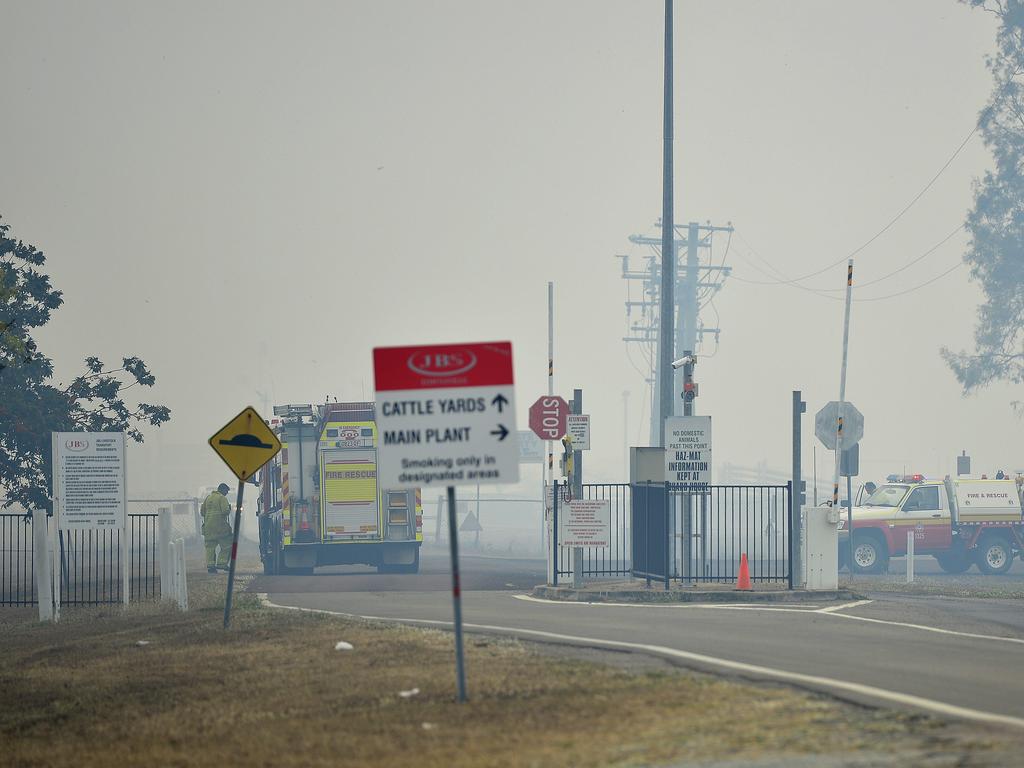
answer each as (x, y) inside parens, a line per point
(688, 359)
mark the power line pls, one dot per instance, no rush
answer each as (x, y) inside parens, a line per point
(916, 287)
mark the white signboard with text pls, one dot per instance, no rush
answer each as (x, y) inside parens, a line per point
(446, 415)
(688, 451)
(578, 427)
(584, 523)
(88, 479)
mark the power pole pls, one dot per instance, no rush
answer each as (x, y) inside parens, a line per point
(668, 255)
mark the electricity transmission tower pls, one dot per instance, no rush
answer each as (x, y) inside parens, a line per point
(698, 279)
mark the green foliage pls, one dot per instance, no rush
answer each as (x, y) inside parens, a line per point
(31, 404)
(996, 222)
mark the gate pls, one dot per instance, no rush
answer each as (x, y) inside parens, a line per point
(665, 532)
(90, 562)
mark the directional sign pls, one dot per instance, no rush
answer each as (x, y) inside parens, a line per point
(577, 426)
(548, 417)
(445, 415)
(825, 424)
(245, 443)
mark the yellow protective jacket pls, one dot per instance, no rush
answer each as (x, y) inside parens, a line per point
(215, 511)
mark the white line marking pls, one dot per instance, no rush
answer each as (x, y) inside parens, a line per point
(815, 681)
(938, 630)
(731, 606)
(844, 606)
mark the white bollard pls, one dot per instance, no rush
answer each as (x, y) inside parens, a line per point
(43, 573)
(910, 557)
(166, 550)
(181, 579)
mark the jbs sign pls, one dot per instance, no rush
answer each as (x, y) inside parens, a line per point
(448, 363)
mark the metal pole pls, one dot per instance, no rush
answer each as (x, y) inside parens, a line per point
(234, 552)
(453, 538)
(910, 557)
(625, 433)
(842, 386)
(797, 497)
(554, 532)
(577, 491)
(849, 523)
(814, 455)
(547, 470)
(668, 256)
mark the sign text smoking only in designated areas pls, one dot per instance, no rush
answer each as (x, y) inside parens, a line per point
(445, 415)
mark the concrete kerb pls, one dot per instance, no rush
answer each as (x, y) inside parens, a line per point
(619, 594)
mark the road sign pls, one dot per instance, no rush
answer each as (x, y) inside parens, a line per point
(471, 524)
(531, 449)
(585, 523)
(825, 424)
(88, 479)
(245, 443)
(688, 451)
(446, 415)
(577, 426)
(549, 416)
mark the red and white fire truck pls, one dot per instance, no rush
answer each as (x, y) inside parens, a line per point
(960, 522)
(320, 503)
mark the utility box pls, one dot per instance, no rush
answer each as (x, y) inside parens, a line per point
(821, 566)
(646, 464)
(849, 461)
(963, 464)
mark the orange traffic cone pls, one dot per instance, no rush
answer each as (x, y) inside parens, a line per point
(743, 580)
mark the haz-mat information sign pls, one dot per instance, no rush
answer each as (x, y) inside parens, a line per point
(585, 523)
(88, 479)
(446, 415)
(688, 451)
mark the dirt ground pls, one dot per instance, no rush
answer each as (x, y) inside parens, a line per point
(151, 686)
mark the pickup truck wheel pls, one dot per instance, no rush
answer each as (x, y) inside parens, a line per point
(954, 562)
(869, 554)
(994, 555)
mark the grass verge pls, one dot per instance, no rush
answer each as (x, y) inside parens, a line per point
(274, 691)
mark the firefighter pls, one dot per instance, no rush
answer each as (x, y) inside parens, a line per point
(215, 511)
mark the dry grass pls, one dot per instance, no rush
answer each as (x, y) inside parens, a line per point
(274, 692)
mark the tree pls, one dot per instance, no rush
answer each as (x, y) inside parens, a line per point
(32, 405)
(995, 253)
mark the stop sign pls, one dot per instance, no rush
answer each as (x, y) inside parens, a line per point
(548, 417)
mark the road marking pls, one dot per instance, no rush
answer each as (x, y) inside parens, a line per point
(719, 606)
(924, 627)
(844, 606)
(814, 681)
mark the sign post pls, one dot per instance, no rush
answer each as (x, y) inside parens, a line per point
(446, 417)
(245, 444)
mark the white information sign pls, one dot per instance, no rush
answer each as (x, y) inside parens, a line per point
(531, 448)
(578, 426)
(585, 523)
(446, 415)
(688, 451)
(88, 479)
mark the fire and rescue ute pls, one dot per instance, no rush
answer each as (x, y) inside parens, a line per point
(320, 503)
(960, 522)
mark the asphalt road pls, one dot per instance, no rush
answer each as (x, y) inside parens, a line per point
(952, 656)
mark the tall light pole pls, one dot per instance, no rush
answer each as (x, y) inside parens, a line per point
(666, 334)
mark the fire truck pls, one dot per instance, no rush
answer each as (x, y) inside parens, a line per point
(319, 501)
(960, 522)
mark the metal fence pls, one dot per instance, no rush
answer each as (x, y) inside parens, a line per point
(663, 532)
(90, 562)
(608, 562)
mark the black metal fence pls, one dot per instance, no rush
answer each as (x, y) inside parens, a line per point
(598, 562)
(663, 532)
(91, 564)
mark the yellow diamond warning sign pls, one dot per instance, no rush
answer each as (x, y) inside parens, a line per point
(245, 443)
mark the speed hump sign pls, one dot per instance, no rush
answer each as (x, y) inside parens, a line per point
(245, 443)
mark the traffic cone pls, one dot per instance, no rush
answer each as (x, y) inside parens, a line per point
(743, 580)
